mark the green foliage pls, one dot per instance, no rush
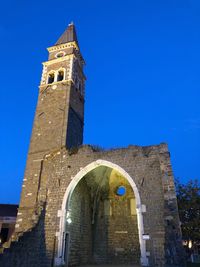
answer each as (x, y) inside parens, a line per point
(188, 197)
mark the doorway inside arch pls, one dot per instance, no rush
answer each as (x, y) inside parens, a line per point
(101, 221)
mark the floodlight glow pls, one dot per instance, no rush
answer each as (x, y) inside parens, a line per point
(69, 220)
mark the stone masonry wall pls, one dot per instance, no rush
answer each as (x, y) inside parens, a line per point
(115, 229)
(49, 134)
(79, 229)
(74, 136)
(144, 164)
(29, 250)
(174, 252)
(123, 239)
(50, 118)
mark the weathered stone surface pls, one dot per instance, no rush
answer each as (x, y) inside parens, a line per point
(148, 172)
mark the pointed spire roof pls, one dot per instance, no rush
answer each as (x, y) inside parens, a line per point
(68, 36)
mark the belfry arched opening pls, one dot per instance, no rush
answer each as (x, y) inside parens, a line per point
(101, 225)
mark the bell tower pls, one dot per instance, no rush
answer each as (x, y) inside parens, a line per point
(58, 121)
(60, 111)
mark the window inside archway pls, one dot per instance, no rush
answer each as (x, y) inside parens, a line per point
(121, 191)
(51, 78)
(60, 75)
(97, 216)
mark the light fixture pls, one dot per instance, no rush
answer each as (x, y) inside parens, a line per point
(68, 217)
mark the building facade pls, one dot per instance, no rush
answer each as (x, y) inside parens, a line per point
(81, 205)
(8, 215)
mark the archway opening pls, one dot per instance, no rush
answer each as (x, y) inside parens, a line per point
(101, 224)
(60, 76)
(51, 78)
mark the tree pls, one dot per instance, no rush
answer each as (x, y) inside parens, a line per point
(188, 197)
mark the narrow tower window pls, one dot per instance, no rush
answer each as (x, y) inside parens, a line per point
(50, 78)
(60, 75)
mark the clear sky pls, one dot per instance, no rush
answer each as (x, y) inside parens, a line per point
(143, 76)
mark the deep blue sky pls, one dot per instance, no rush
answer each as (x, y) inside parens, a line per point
(143, 76)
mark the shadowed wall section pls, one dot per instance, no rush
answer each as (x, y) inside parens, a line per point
(29, 249)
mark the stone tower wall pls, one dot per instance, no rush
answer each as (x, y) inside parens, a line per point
(58, 123)
(49, 129)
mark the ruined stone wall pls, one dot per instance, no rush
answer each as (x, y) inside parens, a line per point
(80, 232)
(144, 164)
(174, 252)
(29, 250)
(122, 224)
(103, 225)
(115, 227)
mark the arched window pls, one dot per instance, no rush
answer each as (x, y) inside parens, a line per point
(60, 76)
(51, 77)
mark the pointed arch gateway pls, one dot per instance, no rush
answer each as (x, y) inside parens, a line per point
(64, 214)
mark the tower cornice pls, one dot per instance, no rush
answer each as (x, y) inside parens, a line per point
(61, 46)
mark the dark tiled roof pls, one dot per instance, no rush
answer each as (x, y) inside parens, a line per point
(8, 210)
(68, 36)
